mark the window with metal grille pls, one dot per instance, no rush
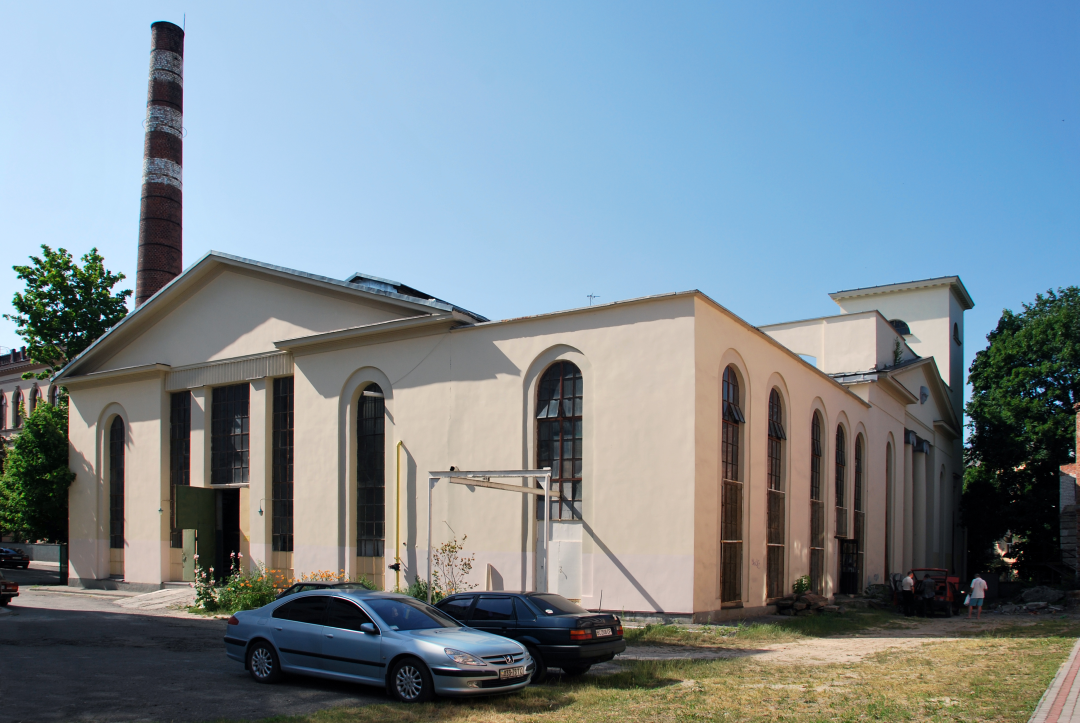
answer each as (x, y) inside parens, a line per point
(817, 510)
(841, 483)
(731, 540)
(116, 484)
(16, 409)
(559, 442)
(857, 505)
(370, 472)
(179, 455)
(281, 494)
(774, 563)
(229, 435)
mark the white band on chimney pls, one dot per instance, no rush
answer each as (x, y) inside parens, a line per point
(166, 60)
(161, 170)
(164, 118)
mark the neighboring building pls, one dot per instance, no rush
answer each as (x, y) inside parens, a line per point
(703, 465)
(19, 396)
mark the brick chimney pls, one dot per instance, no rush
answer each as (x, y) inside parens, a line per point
(161, 243)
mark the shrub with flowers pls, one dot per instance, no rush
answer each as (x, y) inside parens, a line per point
(254, 588)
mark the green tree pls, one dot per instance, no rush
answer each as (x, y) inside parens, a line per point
(34, 485)
(1025, 386)
(65, 307)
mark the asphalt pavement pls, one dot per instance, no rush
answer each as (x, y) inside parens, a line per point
(79, 656)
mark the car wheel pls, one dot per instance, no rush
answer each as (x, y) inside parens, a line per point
(540, 671)
(410, 682)
(263, 663)
(574, 671)
(4, 601)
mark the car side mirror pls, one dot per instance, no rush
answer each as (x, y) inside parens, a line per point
(369, 628)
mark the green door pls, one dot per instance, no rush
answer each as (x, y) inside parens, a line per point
(189, 556)
(196, 509)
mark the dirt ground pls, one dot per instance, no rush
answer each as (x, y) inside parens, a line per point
(904, 633)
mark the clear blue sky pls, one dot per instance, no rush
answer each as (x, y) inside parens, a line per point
(514, 157)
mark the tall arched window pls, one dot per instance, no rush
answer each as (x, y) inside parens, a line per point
(774, 572)
(559, 406)
(35, 397)
(731, 538)
(817, 510)
(16, 409)
(370, 472)
(841, 483)
(3, 411)
(857, 505)
(54, 395)
(888, 510)
(116, 484)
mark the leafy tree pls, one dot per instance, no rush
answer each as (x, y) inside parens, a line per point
(1025, 385)
(64, 308)
(34, 485)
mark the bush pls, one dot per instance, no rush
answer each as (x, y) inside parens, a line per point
(240, 590)
(418, 589)
(801, 586)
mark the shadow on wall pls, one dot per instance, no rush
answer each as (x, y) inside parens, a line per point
(622, 568)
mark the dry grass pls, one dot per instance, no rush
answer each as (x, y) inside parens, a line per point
(997, 677)
(742, 635)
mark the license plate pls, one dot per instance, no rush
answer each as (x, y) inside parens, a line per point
(603, 632)
(517, 672)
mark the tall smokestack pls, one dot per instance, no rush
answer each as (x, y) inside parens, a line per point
(161, 244)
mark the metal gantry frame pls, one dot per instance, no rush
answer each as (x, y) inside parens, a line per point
(482, 478)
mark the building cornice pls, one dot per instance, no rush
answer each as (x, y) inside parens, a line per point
(371, 333)
(111, 376)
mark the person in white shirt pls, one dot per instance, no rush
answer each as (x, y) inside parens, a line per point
(907, 594)
(978, 594)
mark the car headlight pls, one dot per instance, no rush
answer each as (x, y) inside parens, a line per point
(462, 658)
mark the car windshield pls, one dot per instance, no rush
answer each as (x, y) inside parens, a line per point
(556, 604)
(409, 614)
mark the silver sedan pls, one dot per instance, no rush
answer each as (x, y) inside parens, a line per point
(376, 638)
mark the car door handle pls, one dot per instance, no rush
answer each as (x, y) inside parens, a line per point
(277, 628)
(329, 635)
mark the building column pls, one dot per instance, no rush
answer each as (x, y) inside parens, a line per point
(200, 437)
(255, 533)
(918, 507)
(905, 532)
(948, 529)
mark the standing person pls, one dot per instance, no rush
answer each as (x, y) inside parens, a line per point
(926, 601)
(907, 594)
(978, 594)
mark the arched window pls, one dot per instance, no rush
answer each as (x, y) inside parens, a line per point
(888, 509)
(54, 395)
(3, 411)
(731, 538)
(559, 445)
(35, 397)
(370, 472)
(16, 409)
(817, 510)
(857, 506)
(116, 484)
(841, 483)
(774, 572)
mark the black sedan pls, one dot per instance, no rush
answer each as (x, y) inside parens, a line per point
(557, 632)
(8, 590)
(13, 558)
(306, 586)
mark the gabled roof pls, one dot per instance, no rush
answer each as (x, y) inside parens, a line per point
(891, 372)
(953, 282)
(212, 259)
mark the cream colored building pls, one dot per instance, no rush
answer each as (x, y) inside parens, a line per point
(19, 396)
(303, 414)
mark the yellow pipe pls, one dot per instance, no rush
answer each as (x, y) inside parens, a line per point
(397, 518)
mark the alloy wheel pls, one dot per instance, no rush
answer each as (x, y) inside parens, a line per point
(408, 682)
(262, 664)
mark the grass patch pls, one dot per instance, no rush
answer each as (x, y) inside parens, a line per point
(994, 679)
(743, 634)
